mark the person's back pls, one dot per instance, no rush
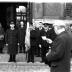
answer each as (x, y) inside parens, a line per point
(60, 54)
(63, 61)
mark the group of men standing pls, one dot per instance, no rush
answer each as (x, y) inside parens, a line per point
(40, 46)
(15, 38)
(55, 44)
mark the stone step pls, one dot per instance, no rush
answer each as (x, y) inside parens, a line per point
(23, 67)
(19, 58)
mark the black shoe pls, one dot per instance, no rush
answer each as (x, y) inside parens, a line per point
(32, 61)
(14, 60)
(10, 61)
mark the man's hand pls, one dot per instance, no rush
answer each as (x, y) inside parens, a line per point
(18, 44)
(49, 40)
(40, 45)
(6, 44)
(44, 37)
(1, 37)
(48, 52)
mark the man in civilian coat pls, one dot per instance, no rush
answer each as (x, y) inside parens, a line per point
(60, 53)
(11, 38)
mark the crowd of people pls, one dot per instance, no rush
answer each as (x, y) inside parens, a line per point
(14, 38)
(38, 40)
(51, 42)
(11, 39)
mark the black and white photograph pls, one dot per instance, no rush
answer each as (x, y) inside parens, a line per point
(35, 36)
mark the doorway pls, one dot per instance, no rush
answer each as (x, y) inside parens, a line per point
(8, 12)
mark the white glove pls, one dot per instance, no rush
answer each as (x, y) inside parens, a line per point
(44, 37)
(48, 52)
(49, 41)
(6, 44)
(1, 37)
(40, 45)
(18, 44)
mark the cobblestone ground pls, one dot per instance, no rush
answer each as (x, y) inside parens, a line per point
(20, 65)
(23, 67)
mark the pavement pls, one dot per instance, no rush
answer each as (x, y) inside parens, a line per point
(24, 67)
(21, 65)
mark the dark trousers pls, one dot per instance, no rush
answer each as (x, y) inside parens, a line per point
(31, 54)
(12, 58)
(37, 51)
(1, 48)
(22, 48)
(43, 53)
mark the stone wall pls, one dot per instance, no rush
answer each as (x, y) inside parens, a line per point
(48, 10)
(37, 10)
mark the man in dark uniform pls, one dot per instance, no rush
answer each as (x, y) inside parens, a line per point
(11, 38)
(37, 49)
(38, 40)
(59, 55)
(45, 46)
(52, 34)
(21, 36)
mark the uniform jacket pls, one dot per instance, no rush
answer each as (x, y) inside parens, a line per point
(33, 37)
(52, 34)
(60, 54)
(43, 42)
(37, 37)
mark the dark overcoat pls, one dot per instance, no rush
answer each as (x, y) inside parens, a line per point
(60, 54)
(21, 35)
(11, 38)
